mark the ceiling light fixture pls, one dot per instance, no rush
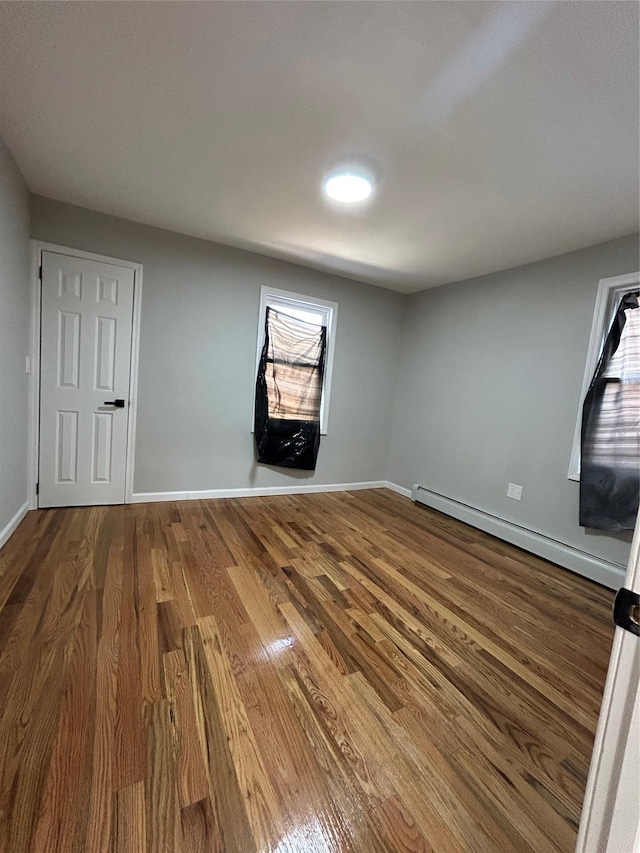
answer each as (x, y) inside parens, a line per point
(347, 187)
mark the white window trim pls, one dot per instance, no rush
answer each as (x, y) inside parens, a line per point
(274, 298)
(610, 292)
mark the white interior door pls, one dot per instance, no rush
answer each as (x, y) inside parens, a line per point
(610, 820)
(85, 364)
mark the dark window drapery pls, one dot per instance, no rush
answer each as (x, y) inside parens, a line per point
(289, 392)
(610, 446)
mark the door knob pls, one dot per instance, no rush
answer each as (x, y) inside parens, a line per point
(119, 404)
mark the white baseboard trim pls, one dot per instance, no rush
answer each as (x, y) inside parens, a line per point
(259, 491)
(596, 569)
(394, 487)
(12, 525)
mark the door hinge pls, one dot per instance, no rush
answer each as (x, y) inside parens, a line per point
(37, 488)
(40, 272)
(626, 611)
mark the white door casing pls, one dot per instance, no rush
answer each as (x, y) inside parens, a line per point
(610, 821)
(85, 363)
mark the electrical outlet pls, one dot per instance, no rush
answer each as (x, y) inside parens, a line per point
(514, 491)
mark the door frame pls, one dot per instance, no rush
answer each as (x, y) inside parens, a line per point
(37, 248)
(606, 789)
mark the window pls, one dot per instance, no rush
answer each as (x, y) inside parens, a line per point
(610, 292)
(319, 312)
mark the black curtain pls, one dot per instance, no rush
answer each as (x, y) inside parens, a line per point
(610, 450)
(289, 392)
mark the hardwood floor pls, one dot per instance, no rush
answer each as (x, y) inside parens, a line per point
(309, 674)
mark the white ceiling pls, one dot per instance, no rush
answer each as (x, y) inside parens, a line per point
(499, 133)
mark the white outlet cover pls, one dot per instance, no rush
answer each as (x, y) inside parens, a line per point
(514, 491)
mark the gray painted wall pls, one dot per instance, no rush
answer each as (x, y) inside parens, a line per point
(15, 326)
(463, 388)
(489, 381)
(198, 348)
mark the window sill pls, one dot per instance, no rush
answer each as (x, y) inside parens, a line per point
(324, 432)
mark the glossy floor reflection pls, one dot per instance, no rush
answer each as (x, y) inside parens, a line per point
(338, 672)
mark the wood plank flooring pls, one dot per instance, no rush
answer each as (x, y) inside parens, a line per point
(308, 674)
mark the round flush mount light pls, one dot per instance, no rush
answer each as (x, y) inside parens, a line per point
(348, 187)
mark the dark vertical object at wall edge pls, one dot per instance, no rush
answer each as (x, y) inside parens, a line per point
(609, 496)
(286, 443)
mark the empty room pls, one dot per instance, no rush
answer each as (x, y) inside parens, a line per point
(319, 445)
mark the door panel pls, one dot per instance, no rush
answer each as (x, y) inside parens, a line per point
(87, 310)
(102, 447)
(610, 821)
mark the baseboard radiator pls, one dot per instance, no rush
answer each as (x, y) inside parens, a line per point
(595, 568)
